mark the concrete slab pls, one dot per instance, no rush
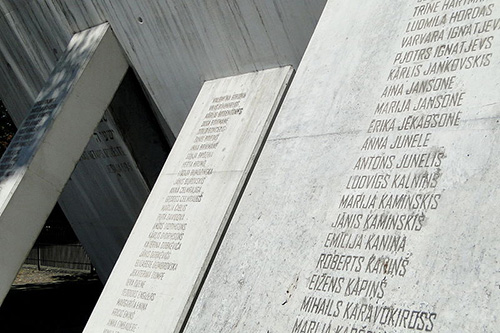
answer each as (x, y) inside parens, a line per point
(50, 141)
(374, 204)
(165, 259)
(103, 220)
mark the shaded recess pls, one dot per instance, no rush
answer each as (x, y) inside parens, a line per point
(139, 127)
(101, 211)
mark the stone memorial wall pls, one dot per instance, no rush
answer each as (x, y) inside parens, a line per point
(48, 144)
(373, 206)
(164, 261)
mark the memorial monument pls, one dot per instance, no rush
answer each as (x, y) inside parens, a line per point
(172, 47)
(50, 141)
(165, 259)
(372, 205)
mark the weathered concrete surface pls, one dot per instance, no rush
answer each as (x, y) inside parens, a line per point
(116, 202)
(173, 47)
(172, 244)
(113, 178)
(50, 141)
(344, 226)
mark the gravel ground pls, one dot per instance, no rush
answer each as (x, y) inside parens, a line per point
(31, 275)
(51, 300)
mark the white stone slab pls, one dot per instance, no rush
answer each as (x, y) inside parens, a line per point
(306, 251)
(50, 141)
(171, 246)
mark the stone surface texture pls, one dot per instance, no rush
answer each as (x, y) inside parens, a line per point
(50, 141)
(173, 48)
(177, 233)
(116, 201)
(374, 204)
